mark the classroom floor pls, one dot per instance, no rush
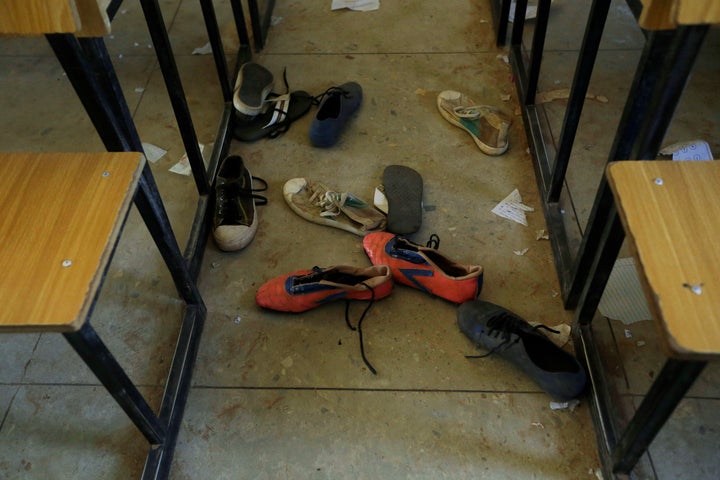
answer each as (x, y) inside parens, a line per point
(287, 395)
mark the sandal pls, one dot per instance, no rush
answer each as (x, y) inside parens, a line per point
(486, 125)
(283, 110)
(252, 86)
(317, 203)
(403, 188)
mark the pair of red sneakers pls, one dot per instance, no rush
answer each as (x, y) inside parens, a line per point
(394, 258)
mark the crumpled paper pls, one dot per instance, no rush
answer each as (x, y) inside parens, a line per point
(512, 208)
(358, 5)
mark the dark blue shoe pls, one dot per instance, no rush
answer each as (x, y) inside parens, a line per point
(501, 332)
(337, 105)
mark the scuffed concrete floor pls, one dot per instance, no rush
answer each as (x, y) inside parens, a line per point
(287, 396)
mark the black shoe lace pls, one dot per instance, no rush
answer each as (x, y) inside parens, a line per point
(227, 191)
(359, 325)
(433, 241)
(505, 325)
(330, 91)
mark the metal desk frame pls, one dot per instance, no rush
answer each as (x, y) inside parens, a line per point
(667, 60)
(87, 63)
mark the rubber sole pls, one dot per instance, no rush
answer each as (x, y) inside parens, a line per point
(254, 83)
(403, 189)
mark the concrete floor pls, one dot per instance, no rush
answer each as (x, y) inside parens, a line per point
(287, 396)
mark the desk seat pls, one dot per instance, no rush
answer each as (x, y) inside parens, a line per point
(670, 212)
(62, 214)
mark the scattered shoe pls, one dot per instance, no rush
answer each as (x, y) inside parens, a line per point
(280, 112)
(235, 220)
(317, 203)
(424, 268)
(487, 126)
(503, 333)
(306, 289)
(252, 86)
(337, 105)
(403, 188)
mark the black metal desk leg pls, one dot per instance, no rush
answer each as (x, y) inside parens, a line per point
(98, 358)
(150, 206)
(670, 386)
(178, 100)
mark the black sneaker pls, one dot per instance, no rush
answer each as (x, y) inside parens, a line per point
(501, 332)
(235, 220)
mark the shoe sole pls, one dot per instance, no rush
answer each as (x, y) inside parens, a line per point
(403, 188)
(253, 85)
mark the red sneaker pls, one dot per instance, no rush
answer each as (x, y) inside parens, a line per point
(306, 289)
(424, 268)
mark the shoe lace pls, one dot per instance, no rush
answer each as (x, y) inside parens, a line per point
(327, 200)
(471, 112)
(230, 190)
(505, 325)
(330, 91)
(433, 241)
(359, 325)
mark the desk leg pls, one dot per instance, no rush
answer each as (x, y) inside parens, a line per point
(669, 388)
(98, 358)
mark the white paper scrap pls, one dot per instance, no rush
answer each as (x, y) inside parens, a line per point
(153, 153)
(204, 50)
(530, 12)
(624, 298)
(521, 252)
(182, 167)
(358, 5)
(512, 208)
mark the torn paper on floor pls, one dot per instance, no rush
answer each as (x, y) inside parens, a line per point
(153, 153)
(513, 209)
(204, 50)
(358, 5)
(182, 167)
(530, 11)
(624, 297)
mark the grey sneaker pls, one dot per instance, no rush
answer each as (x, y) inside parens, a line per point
(503, 333)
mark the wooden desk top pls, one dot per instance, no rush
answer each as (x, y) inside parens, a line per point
(60, 218)
(671, 214)
(669, 14)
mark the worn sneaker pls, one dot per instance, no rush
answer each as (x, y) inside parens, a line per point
(337, 105)
(235, 220)
(503, 333)
(424, 268)
(306, 289)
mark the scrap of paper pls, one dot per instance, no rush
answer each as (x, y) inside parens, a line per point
(358, 5)
(153, 153)
(624, 297)
(512, 208)
(182, 167)
(204, 50)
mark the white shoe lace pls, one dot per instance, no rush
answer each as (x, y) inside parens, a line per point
(326, 199)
